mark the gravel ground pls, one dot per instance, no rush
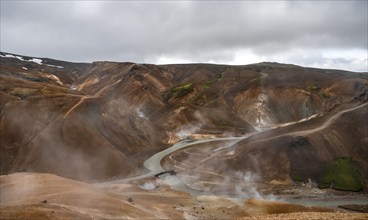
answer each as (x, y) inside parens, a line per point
(310, 216)
(47, 196)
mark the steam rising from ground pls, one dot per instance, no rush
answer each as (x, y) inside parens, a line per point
(168, 180)
(249, 187)
(141, 113)
(148, 186)
(234, 185)
(206, 175)
(237, 185)
(187, 130)
(47, 143)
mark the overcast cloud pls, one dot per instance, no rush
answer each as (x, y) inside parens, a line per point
(327, 34)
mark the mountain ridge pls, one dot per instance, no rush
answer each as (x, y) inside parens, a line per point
(3, 54)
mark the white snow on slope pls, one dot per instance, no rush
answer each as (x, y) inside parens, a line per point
(12, 56)
(60, 67)
(34, 60)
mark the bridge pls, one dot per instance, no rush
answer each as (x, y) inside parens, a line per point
(171, 172)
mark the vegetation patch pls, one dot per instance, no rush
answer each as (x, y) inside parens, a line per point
(317, 89)
(297, 177)
(324, 95)
(23, 92)
(207, 85)
(342, 174)
(178, 91)
(313, 88)
(220, 76)
(200, 99)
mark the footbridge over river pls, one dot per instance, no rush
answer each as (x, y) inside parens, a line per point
(171, 172)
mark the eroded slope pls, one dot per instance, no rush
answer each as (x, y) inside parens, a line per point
(102, 120)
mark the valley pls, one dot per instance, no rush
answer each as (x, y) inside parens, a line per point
(259, 141)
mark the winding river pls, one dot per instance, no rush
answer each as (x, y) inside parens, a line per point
(153, 164)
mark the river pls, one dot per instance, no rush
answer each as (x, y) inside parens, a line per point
(153, 164)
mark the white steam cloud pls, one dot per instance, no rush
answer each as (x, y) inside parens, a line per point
(168, 180)
(187, 130)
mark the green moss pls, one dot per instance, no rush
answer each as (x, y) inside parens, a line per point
(324, 95)
(224, 123)
(313, 88)
(297, 177)
(342, 174)
(207, 85)
(23, 92)
(220, 76)
(178, 91)
(316, 88)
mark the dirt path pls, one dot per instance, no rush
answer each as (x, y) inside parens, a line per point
(154, 162)
(323, 126)
(305, 132)
(329, 121)
(75, 106)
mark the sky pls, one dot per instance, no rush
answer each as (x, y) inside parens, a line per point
(323, 34)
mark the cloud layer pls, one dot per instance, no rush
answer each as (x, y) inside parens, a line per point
(328, 34)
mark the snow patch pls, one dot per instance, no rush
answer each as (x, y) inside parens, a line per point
(12, 56)
(60, 67)
(24, 68)
(36, 60)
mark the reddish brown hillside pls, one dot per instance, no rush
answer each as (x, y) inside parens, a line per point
(102, 120)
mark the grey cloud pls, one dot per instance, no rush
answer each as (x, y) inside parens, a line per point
(200, 31)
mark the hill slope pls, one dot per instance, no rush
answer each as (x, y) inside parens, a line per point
(102, 120)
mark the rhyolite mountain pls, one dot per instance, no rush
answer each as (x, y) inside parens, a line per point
(101, 120)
